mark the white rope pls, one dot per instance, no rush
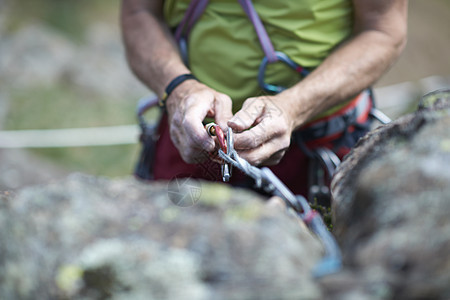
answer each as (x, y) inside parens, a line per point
(71, 137)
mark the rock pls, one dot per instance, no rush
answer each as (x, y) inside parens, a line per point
(5, 103)
(402, 98)
(94, 238)
(20, 168)
(391, 205)
(37, 55)
(396, 100)
(34, 55)
(100, 66)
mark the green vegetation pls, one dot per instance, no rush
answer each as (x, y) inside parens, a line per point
(104, 161)
(64, 107)
(70, 17)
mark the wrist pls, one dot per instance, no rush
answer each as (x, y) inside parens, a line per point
(298, 108)
(173, 84)
(289, 109)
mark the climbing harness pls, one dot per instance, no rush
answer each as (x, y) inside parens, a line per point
(266, 180)
(148, 138)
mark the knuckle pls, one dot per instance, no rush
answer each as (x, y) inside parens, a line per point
(185, 123)
(223, 97)
(279, 128)
(257, 139)
(256, 162)
(249, 102)
(251, 160)
(285, 143)
(176, 119)
(189, 155)
(187, 126)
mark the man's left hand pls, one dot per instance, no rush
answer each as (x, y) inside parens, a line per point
(263, 130)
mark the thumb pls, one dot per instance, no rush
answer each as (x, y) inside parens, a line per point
(247, 116)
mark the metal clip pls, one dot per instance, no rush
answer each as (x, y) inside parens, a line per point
(226, 146)
(227, 167)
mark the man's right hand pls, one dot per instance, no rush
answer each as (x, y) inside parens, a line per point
(187, 106)
(153, 57)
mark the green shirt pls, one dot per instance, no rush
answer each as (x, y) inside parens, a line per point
(224, 50)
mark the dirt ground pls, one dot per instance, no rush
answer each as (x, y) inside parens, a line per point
(428, 50)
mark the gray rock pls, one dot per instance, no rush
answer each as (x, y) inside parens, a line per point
(93, 238)
(103, 68)
(33, 55)
(20, 168)
(391, 205)
(37, 55)
(4, 108)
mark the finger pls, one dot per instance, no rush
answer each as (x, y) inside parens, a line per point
(251, 110)
(223, 110)
(196, 136)
(188, 154)
(266, 154)
(266, 130)
(275, 158)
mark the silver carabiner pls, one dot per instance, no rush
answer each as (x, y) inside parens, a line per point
(227, 167)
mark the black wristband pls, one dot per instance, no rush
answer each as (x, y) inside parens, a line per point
(172, 85)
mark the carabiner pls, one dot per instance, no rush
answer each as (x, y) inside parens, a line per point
(272, 88)
(225, 145)
(214, 130)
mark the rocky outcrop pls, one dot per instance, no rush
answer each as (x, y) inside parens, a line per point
(92, 238)
(37, 55)
(392, 202)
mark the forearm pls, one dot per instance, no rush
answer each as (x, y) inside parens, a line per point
(354, 66)
(150, 48)
(350, 69)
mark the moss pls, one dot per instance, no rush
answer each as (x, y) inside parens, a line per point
(214, 194)
(68, 278)
(445, 145)
(169, 214)
(245, 212)
(69, 17)
(65, 107)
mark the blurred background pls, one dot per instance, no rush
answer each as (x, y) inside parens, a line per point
(62, 65)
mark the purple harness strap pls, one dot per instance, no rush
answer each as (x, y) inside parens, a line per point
(261, 32)
(196, 9)
(193, 13)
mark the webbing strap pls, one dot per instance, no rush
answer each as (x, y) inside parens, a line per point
(261, 32)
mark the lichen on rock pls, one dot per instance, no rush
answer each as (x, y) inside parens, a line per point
(95, 238)
(391, 205)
